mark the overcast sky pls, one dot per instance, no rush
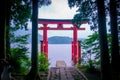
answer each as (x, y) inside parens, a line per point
(59, 9)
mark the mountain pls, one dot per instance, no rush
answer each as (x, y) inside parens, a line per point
(81, 39)
(59, 40)
(29, 31)
(51, 40)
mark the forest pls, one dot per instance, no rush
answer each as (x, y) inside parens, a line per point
(105, 46)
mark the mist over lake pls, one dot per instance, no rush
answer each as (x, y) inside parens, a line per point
(57, 52)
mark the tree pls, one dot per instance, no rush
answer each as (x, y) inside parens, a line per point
(100, 8)
(87, 12)
(34, 69)
(114, 35)
(91, 51)
(8, 27)
(19, 52)
(2, 33)
(105, 61)
(18, 13)
(13, 13)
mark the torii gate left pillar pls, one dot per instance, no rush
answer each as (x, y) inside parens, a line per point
(44, 43)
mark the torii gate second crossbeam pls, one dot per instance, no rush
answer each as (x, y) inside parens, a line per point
(76, 48)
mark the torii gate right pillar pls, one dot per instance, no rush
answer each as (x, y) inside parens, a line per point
(76, 49)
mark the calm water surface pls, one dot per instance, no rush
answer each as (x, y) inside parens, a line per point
(57, 52)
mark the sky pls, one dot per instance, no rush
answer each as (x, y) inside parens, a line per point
(59, 9)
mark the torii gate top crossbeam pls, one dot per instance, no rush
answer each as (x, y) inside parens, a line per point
(54, 21)
(59, 22)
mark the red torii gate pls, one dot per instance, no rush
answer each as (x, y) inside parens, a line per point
(76, 48)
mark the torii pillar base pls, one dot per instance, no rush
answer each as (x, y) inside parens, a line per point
(44, 48)
(76, 52)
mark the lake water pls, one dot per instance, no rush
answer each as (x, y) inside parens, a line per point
(57, 52)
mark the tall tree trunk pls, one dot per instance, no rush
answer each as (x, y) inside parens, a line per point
(105, 62)
(35, 36)
(34, 70)
(114, 45)
(8, 28)
(2, 32)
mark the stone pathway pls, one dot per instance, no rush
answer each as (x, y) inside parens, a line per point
(62, 72)
(65, 73)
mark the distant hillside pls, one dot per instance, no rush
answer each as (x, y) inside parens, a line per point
(23, 32)
(59, 40)
(51, 40)
(81, 39)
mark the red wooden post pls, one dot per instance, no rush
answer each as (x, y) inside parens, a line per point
(42, 47)
(46, 49)
(79, 48)
(72, 50)
(78, 51)
(45, 40)
(45, 33)
(75, 44)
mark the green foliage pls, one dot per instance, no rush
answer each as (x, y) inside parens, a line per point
(73, 3)
(91, 51)
(21, 39)
(43, 62)
(20, 13)
(19, 53)
(91, 48)
(19, 59)
(118, 13)
(87, 12)
(44, 2)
